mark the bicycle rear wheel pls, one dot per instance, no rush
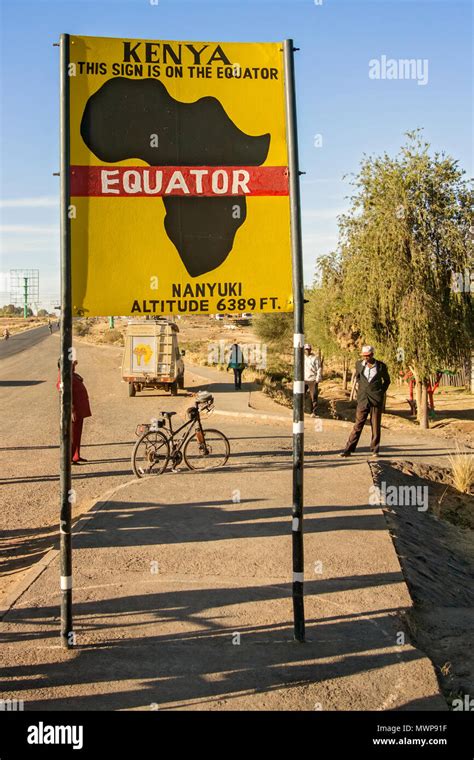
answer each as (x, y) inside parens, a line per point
(150, 454)
(213, 451)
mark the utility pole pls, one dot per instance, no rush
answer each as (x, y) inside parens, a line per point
(25, 297)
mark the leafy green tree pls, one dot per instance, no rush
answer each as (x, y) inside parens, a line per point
(327, 325)
(276, 332)
(10, 310)
(275, 329)
(403, 245)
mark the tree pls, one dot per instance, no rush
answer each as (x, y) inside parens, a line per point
(42, 313)
(403, 244)
(10, 310)
(327, 325)
(275, 329)
(276, 332)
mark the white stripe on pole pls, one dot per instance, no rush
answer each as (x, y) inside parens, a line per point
(298, 577)
(66, 582)
(298, 427)
(298, 340)
(298, 386)
(295, 525)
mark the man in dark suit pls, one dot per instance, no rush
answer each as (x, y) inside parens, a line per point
(373, 380)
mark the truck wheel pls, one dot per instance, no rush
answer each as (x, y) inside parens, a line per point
(181, 382)
(131, 389)
(174, 388)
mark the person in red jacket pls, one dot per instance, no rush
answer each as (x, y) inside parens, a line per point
(80, 410)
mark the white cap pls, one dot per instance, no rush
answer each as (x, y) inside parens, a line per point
(367, 350)
(307, 345)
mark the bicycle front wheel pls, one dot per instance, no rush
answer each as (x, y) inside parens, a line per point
(150, 454)
(211, 452)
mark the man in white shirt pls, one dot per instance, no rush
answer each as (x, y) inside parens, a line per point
(312, 376)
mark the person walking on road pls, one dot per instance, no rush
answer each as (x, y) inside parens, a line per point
(50, 325)
(80, 410)
(236, 362)
(312, 376)
(373, 379)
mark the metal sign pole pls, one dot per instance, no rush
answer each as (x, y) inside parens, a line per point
(298, 344)
(66, 356)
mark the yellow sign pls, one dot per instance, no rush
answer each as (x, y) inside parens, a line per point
(179, 179)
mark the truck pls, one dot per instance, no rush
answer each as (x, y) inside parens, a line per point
(152, 358)
(244, 320)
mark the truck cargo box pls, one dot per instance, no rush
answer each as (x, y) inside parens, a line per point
(151, 357)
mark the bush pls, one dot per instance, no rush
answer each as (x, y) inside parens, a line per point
(113, 336)
(80, 328)
(193, 346)
(275, 329)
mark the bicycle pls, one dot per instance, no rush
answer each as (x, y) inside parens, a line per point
(201, 449)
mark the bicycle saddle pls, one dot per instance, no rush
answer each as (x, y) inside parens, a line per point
(167, 414)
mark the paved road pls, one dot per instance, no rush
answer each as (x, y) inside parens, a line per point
(29, 451)
(29, 442)
(182, 598)
(29, 438)
(222, 546)
(23, 340)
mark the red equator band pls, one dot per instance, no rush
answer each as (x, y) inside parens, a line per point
(185, 181)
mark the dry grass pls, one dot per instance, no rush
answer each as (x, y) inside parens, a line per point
(19, 324)
(113, 336)
(462, 470)
(96, 331)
